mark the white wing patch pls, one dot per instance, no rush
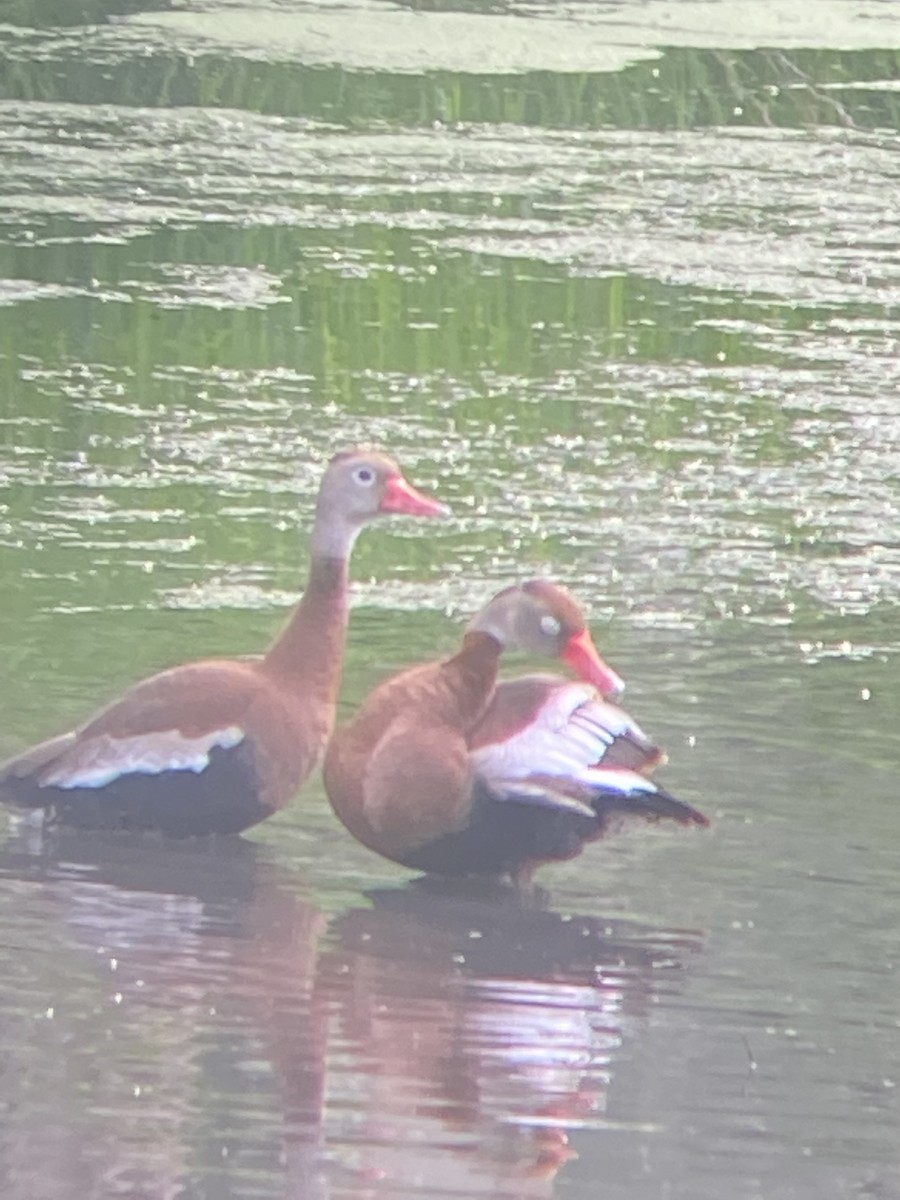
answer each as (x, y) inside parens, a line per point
(615, 779)
(100, 760)
(569, 735)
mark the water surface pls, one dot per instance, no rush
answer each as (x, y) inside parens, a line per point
(621, 284)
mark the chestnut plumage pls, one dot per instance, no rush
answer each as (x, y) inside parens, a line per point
(445, 770)
(218, 745)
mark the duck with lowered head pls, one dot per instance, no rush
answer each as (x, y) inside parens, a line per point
(447, 771)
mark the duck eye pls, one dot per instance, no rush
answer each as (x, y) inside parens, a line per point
(550, 625)
(364, 475)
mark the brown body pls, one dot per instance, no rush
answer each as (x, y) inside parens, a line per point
(447, 771)
(216, 746)
(399, 775)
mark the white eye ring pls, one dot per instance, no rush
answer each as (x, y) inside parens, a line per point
(364, 475)
(550, 625)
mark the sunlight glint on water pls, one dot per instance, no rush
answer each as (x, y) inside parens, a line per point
(636, 322)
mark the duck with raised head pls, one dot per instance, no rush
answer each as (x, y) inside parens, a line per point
(219, 745)
(447, 771)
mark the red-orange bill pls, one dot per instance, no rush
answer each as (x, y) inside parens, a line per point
(581, 655)
(401, 497)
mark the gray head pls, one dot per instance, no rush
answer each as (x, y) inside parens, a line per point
(358, 486)
(543, 619)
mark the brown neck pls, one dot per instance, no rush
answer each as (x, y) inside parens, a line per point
(472, 674)
(309, 651)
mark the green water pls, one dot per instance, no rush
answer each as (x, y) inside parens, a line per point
(619, 283)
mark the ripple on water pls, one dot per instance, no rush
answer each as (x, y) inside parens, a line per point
(659, 365)
(751, 463)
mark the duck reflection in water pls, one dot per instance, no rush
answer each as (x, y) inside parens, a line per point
(203, 1022)
(489, 1029)
(170, 1041)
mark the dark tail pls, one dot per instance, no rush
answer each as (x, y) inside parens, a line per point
(656, 805)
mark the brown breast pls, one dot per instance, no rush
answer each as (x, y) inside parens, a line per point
(398, 775)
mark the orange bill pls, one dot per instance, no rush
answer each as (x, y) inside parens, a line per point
(402, 497)
(581, 655)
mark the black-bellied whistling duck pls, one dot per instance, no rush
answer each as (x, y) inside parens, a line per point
(218, 745)
(446, 771)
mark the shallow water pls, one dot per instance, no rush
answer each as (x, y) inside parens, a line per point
(627, 297)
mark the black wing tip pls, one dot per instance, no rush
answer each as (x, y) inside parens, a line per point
(679, 810)
(656, 805)
(670, 806)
